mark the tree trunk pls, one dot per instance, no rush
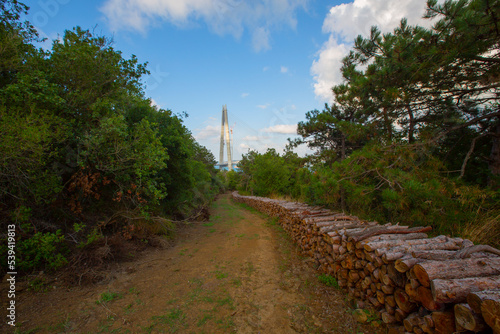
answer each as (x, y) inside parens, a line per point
(360, 316)
(388, 124)
(411, 128)
(403, 301)
(494, 164)
(374, 245)
(444, 322)
(491, 314)
(343, 155)
(456, 290)
(462, 268)
(425, 297)
(466, 317)
(475, 299)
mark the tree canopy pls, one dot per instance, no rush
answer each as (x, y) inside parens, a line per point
(413, 134)
(83, 151)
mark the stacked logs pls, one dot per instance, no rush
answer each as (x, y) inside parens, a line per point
(417, 284)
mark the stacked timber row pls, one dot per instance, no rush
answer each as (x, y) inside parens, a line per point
(417, 284)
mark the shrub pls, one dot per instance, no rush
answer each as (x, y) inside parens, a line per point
(42, 251)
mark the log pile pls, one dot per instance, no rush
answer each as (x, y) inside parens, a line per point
(417, 284)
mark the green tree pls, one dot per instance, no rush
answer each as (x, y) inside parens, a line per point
(329, 132)
(426, 119)
(432, 82)
(15, 39)
(81, 146)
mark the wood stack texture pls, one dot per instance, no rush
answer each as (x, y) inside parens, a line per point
(417, 284)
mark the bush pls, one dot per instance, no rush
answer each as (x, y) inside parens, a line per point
(42, 251)
(233, 180)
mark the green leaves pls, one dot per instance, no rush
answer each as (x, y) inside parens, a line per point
(25, 154)
(270, 173)
(42, 250)
(77, 132)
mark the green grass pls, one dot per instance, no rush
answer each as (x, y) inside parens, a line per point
(38, 284)
(248, 208)
(105, 324)
(226, 323)
(204, 319)
(220, 274)
(236, 282)
(328, 280)
(108, 297)
(225, 301)
(133, 290)
(31, 331)
(63, 326)
(129, 308)
(249, 268)
(174, 320)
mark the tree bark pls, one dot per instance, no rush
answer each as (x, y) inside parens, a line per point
(386, 237)
(441, 255)
(494, 164)
(403, 301)
(444, 322)
(372, 246)
(388, 124)
(456, 290)
(411, 128)
(490, 310)
(425, 297)
(475, 299)
(461, 268)
(466, 317)
(360, 316)
(378, 230)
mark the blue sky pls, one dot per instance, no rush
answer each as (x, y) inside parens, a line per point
(269, 61)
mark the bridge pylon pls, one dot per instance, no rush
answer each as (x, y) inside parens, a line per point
(224, 129)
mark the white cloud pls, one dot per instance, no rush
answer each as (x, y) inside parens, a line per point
(252, 138)
(221, 16)
(350, 20)
(243, 95)
(282, 128)
(326, 69)
(265, 69)
(208, 132)
(284, 69)
(260, 40)
(244, 146)
(263, 106)
(345, 22)
(255, 138)
(154, 103)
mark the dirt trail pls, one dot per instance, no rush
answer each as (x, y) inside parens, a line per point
(237, 273)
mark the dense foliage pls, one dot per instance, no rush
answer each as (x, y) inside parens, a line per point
(83, 153)
(414, 133)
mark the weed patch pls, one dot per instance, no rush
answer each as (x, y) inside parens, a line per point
(38, 284)
(108, 297)
(174, 320)
(328, 280)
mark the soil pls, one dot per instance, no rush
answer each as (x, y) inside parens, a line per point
(236, 273)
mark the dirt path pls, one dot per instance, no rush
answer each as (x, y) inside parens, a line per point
(237, 273)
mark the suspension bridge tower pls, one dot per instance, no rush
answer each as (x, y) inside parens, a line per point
(224, 129)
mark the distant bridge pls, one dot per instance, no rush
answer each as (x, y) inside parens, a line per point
(225, 126)
(225, 165)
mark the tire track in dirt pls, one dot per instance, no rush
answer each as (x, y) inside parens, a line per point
(237, 273)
